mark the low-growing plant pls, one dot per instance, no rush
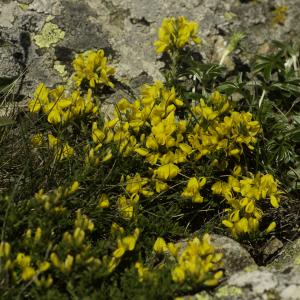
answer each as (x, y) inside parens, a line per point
(94, 206)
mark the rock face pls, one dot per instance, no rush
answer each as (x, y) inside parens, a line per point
(38, 38)
(278, 280)
(235, 257)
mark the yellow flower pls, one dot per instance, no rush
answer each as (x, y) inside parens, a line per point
(103, 201)
(23, 260)
(44, 266)
(97, 134)
(142, 271)
(126, 206)
(107, 156)
(187, 149)
(78, 236)
(54, 116)
(38, 234)
(115, 228)
(54, 259)
(173, 249)
(167, 171)
(4, 249)
(37, 140)
(134, 185)
(160, 246)
(113, 263)
(227, 223)
(160, 186)
(28, 273)
(178, 275)
(66, 152)
(67, 266)
(40, 98)
(274, 201)
(271, 227)
(126, 243)
(71, 189)
(205, 111)
(192, 189)
(141, 151)
(83, 222)
(242, 226)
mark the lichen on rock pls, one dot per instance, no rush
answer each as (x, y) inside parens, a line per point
(50, 35)
(228, 291)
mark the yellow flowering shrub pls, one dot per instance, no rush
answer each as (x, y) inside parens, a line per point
(246, 197)
(196, 261)
(103, 190)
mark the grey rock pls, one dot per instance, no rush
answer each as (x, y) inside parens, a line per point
(292, 292)
(126, 29)
(289, 256)
(272, 246)
(235, 257)
(260, 281)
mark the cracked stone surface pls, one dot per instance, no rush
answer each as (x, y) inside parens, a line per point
(126, 30)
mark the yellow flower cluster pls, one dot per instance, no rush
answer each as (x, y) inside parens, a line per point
(245, 196)
(23, 263)
(175, 33)
(82, 223)
(196, 261)
(52, 200)
(59, 107)
(91, 66)
(33, 239)
(28, 271)
(5, 251)
(124, 243)
(77, 246)
(24, 268)
(215, 132)
(149, 127)
(192, 189)
(135, 186)
(143, 272)
(60, 150)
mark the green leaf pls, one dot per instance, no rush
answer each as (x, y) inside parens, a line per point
(5, 121)
(295, 135)
(267, 65)
(292, 87)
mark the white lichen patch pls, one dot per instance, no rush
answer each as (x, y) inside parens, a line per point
(61, 69)
(50, 35)
(260, 281)
(228, 291)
